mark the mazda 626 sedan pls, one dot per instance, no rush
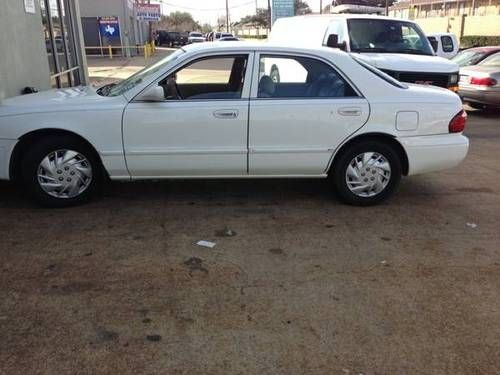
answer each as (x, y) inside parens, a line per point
(211, 111)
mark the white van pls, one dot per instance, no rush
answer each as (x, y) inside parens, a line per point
(397, 47)
(444, 44)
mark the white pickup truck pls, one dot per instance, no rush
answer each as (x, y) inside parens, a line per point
(397, 47)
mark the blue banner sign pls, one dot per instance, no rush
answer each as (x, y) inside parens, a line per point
(109, 27)
(282, 8)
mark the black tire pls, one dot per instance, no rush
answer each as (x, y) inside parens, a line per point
(338, 174)
(33, 157)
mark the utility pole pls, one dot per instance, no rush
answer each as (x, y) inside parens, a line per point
(270, 19)
(227, 15)
(386, 7)
(320, 6)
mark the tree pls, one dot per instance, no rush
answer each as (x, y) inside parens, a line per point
(206, 28)
(302, 7)
(259, 19)
(178, 21)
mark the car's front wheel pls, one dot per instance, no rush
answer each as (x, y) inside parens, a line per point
(367, 173)
(61, 171)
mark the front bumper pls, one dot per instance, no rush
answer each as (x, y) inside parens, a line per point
(432, 153)
(6, 148)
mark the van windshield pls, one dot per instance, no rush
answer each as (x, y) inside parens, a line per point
(387, 36)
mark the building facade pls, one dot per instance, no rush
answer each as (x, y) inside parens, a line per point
(462, 17)
(127, 32)
(41, 43)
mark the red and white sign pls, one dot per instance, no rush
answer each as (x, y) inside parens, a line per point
(148, 12)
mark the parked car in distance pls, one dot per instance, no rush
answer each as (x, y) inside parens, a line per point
(473, 56)
(480, 83)
(184, 37)
(195, 37)
(229, 39)
(208, 110)
(397, 47)
(169, 38)
(444, 44)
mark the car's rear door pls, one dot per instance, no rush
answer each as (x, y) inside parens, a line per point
(298, 119)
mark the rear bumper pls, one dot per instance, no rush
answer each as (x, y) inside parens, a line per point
(432, 153)
(480, 96)
(6, 147)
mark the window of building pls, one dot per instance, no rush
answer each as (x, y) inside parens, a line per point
(59, 43)
(219, 77)
(300, 77)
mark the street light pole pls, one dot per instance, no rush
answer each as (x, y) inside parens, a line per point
(227, 15)
(270, 19)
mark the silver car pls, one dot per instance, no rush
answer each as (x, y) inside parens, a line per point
(479, 85)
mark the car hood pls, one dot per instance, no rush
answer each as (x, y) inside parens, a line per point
(73, 98)
(403, 62)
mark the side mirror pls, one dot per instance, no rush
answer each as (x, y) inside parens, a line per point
(153, 94)
(333, 42)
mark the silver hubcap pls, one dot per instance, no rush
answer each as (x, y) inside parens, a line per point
(64, 174)
(368, 174)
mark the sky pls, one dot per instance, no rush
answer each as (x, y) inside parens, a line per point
(209, 10)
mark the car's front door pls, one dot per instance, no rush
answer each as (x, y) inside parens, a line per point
(199, 129)
(301, 109)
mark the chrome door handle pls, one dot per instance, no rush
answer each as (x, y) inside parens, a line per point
(226, 113)
(350, 111)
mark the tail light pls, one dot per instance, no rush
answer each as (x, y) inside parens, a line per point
(457, 123)
(483, 81)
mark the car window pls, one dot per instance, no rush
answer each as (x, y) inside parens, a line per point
(299, 77)
(466, 58)
(447, 43)
(220, 77)
(386, 77)
(139, 77)
(493, 60)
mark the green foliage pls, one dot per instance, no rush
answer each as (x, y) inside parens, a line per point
(479, 41)
(301, 7)
(260, 19)
(178, 21)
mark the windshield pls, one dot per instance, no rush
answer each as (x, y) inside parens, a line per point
(387, 36)
(466, 58)
(195, 34)
(139, 77)
(493, 60)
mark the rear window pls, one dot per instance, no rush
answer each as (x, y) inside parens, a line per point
(380, 74)
(447, 43)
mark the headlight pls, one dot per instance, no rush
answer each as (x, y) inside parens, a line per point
(454, 78)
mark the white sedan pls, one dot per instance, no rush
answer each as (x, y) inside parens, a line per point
(210, 111)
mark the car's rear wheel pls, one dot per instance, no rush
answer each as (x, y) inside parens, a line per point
(367, 173)
(61, 171)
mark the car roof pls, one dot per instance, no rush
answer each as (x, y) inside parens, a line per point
(346, 15)
(258, 46)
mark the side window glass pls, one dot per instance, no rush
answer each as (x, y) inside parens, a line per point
(300, 77)
(447, 43)
(208, 78)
